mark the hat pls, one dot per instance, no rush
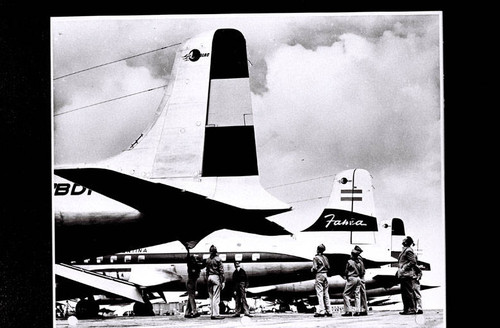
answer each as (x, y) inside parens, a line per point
(321, 248)
(409, 240)
(213, 249)
(357, 249)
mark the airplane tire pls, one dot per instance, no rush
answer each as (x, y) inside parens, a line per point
(143, 309)
(87, 309)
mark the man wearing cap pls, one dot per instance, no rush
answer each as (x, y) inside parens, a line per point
(240, 281)
(407, 263)
(352, 285)
(320, 268)
(215, 281)
(362, 287)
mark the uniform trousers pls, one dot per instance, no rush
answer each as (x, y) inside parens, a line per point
(321, 286)
(352, 288)
(214, 289)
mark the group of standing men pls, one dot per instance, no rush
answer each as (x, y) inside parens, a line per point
(408, 273)
(215, 284)
(355, 284)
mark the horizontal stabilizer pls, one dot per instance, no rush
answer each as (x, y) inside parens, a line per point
(143, 195)
(159, 205)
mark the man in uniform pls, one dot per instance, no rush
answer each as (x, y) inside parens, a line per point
(215, 281)
(362, 287)
(320, 268)
(352, 285)
(407, 262)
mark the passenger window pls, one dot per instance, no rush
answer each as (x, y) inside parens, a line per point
(206, 256)
(128, 259)
(255, 256)
(223, 257)
(113, 259)
(141, 258)
(238, 257)
(98, 259)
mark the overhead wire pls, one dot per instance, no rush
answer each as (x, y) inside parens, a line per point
(108, 63)
(116, 61)
(109, 100)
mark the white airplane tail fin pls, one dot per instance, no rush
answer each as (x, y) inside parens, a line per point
(203, 126)
(350, 207)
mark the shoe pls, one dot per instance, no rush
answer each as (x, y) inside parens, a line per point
(196, 315)
(316, 315)
(217, 318)
(188, 316)
(347, 314)
(420, 312)
(249, 315)
(363, 313)
(407, 313)
(356, 314)
(236, 315)
(328, 314)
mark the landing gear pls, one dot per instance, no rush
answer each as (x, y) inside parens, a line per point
(143, 309)
(223, 308)
(87, 308)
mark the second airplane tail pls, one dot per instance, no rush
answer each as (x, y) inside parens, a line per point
(350, 207)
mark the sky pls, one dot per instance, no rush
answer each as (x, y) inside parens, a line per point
(329, 92)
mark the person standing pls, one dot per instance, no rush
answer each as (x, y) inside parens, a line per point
(362, 287)
(407, 262)
(240, 283)
(320, 268)
(215, 281)
(352, 285)
(194, 268)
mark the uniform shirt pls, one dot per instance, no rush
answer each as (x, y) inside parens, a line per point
(214, 266)
(361, 267)
(240, 276)
(353, 268)
(320, 264)
(407, 262)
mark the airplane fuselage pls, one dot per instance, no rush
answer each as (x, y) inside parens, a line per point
(262, 268)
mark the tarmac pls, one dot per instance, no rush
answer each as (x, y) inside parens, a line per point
(375, 319)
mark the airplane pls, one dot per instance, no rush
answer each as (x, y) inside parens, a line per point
(278, 267)
(193, 171)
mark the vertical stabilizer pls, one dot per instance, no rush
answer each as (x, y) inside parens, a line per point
(350, 207)
(397, 236)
